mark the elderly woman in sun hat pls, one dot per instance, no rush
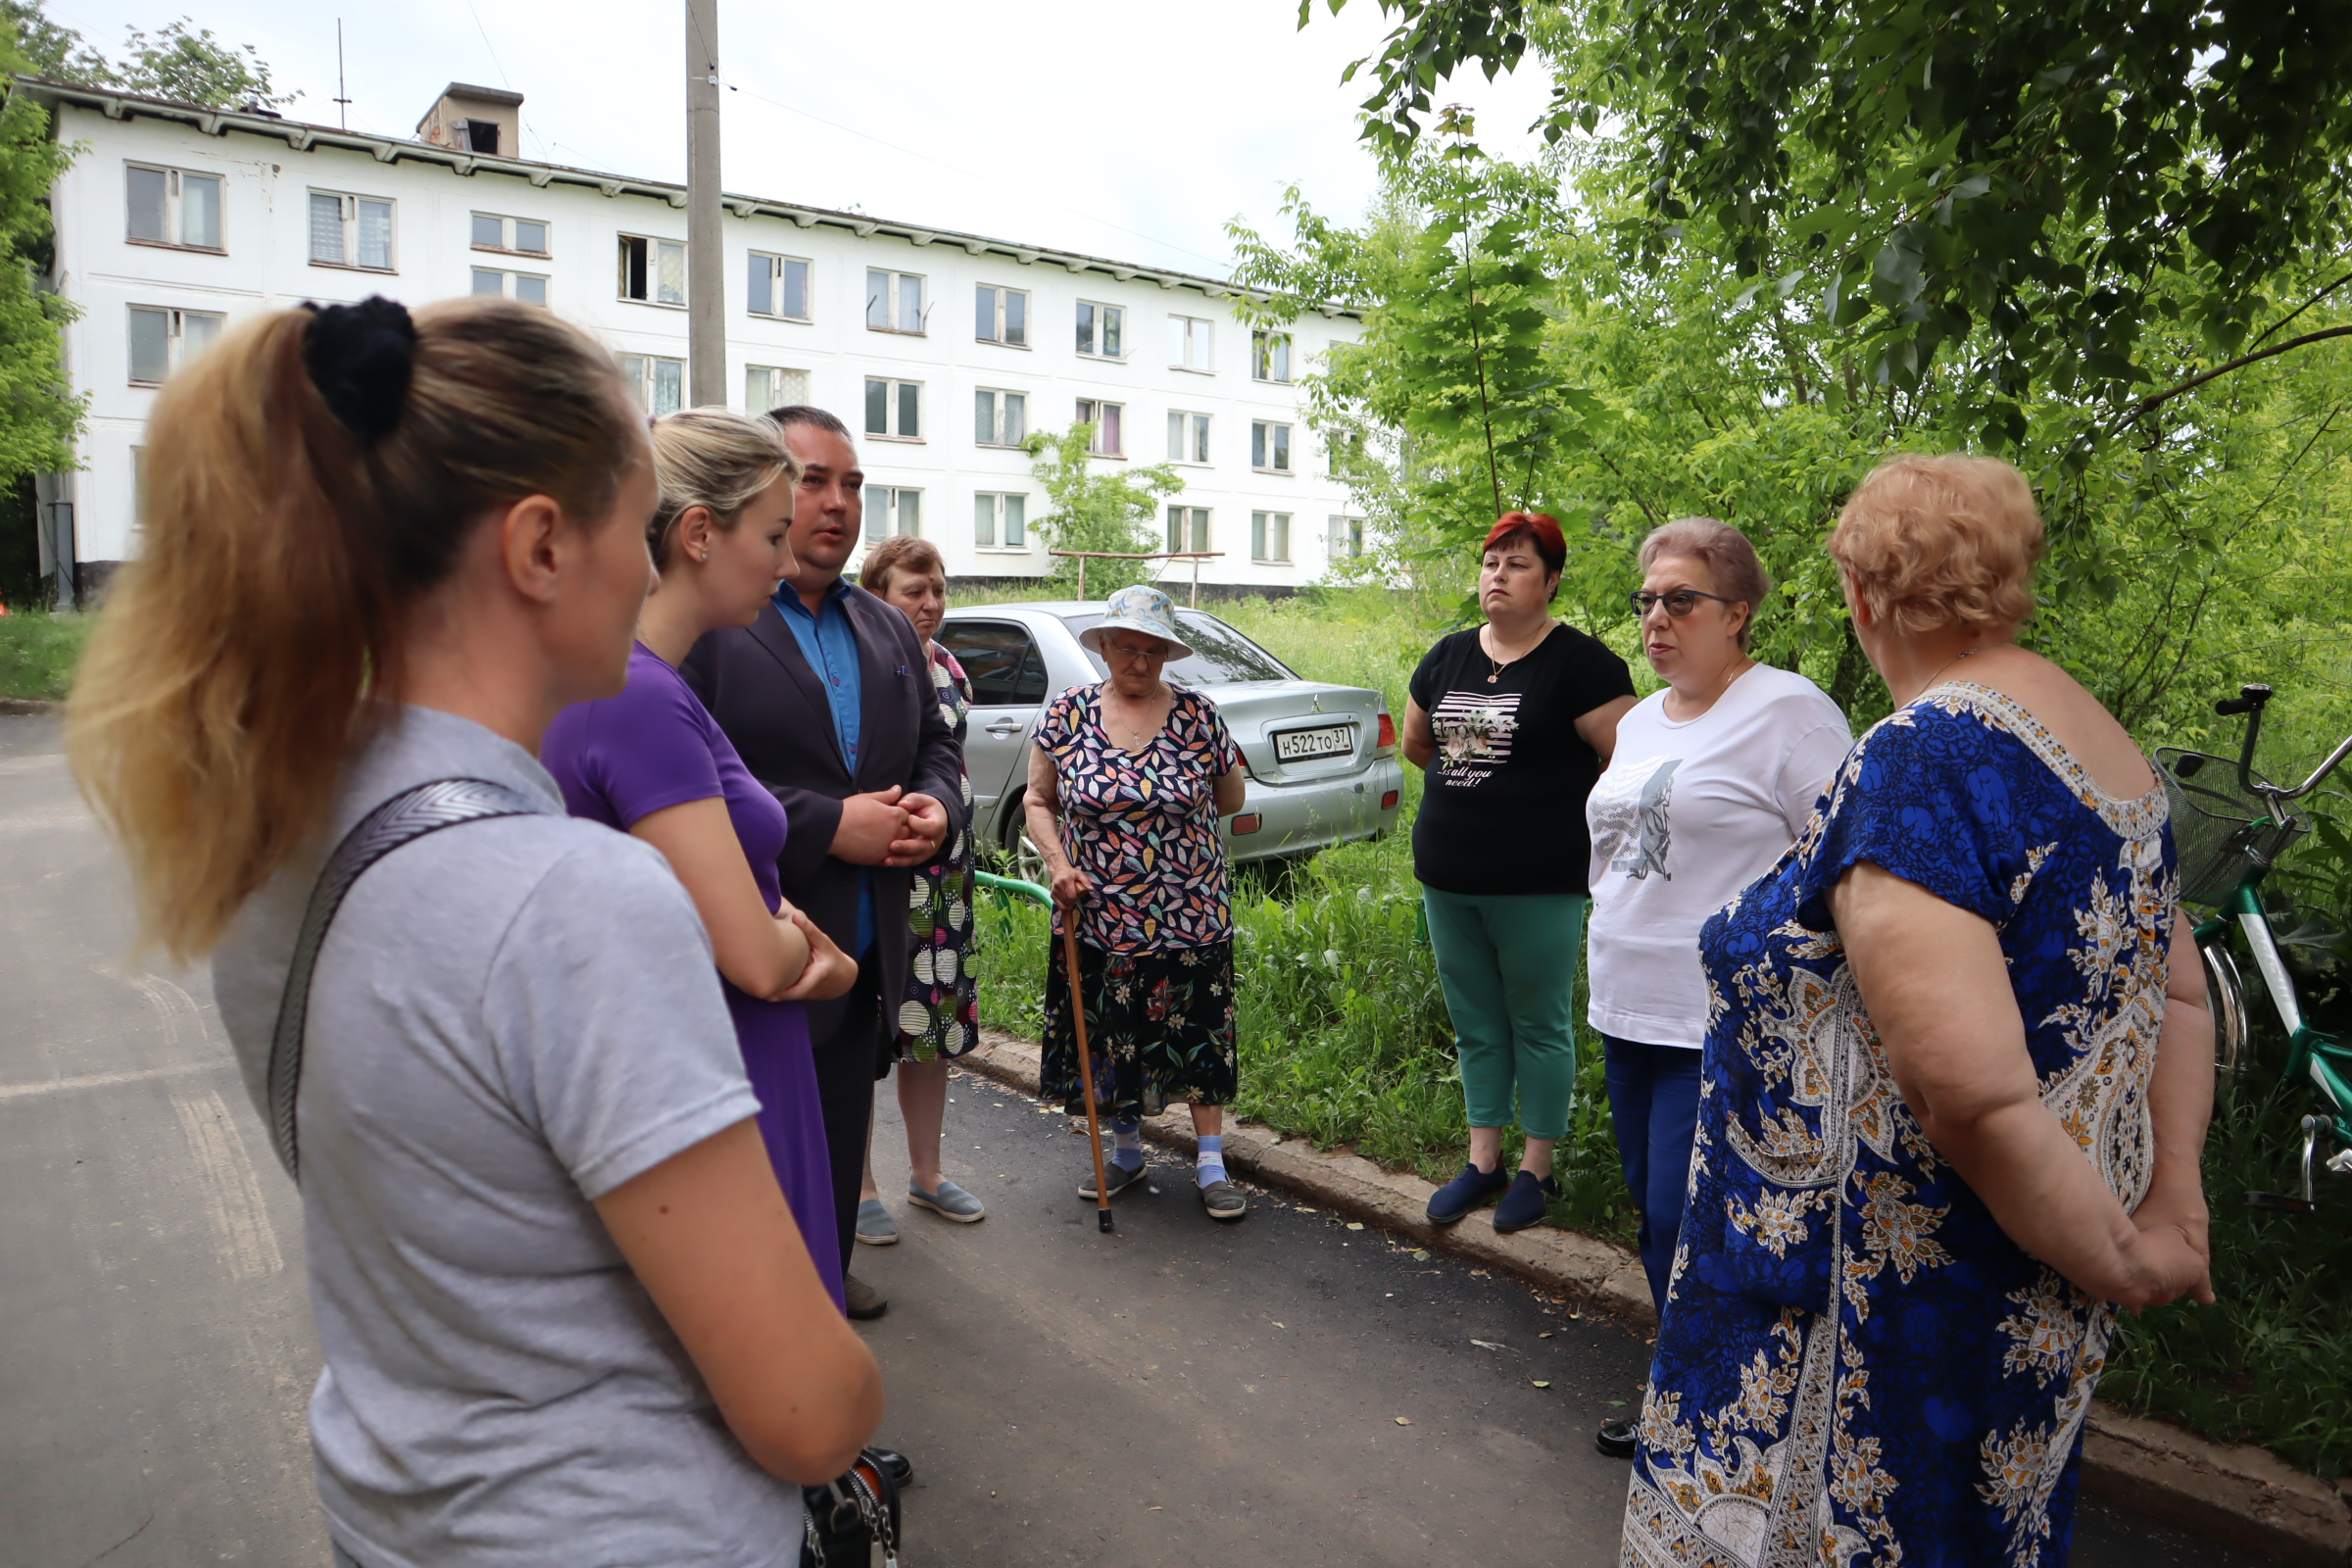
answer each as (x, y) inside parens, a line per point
(1127, 779)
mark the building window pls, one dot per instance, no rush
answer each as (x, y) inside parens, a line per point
(524, 236)
(1269, 356)
(1188, 438)
(779, 287)
(894, 410)
(892, 509)
(653, 271)
(529, 287)
(770, 386)
(1102, 330)
(1002, 316)
(1106, 418)
(894, 301)
(1188, 528)
(1189, 343)
(161, 340)
(1347, 455)
(1270, 537)
(173, 207)
(1269, 447)
(999, 521)
(1347, 537)
(350, 231)
(1000, 418)
(659, 383)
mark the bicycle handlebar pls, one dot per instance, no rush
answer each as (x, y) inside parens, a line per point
(2250, 701)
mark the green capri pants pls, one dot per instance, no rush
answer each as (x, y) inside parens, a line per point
(1507, 964)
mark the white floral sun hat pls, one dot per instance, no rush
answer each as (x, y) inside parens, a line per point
(1142, 608)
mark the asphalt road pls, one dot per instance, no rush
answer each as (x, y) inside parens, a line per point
(1179, 1394)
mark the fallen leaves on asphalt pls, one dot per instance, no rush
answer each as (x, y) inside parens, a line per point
(1404, 1421)
(1540, 1382)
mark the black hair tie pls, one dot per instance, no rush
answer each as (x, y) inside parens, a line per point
(360, 358)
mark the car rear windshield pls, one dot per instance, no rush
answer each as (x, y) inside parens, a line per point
(1220, 657)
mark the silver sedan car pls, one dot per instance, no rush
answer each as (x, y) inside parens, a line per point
(1321, 759)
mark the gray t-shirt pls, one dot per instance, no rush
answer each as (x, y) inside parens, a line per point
(510, 1018)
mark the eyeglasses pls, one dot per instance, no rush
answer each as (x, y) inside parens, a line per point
(1114, 653)
(1679, 602)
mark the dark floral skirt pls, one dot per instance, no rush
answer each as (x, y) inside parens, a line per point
(1158, 1025)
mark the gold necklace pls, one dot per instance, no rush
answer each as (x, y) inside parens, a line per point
(1496, 664)
(1949, 662)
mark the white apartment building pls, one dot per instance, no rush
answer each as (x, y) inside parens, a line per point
(943, 349)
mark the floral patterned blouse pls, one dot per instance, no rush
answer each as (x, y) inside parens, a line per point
(1857, 1364)
(1144, 827)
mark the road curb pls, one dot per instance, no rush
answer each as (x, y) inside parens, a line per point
(2238, 1493)
(27, 707)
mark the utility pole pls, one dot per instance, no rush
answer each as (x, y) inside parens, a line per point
(706, 246)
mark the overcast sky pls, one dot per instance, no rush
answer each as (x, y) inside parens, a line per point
(1118, 129)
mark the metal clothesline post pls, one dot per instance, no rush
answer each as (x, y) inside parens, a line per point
(1196, 557)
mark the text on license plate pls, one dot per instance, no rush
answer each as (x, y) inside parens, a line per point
(1299, 745)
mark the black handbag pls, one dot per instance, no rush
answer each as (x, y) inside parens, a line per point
(853, 1521)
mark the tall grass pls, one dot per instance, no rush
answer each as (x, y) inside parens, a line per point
(1344, 1041)
(38, 652)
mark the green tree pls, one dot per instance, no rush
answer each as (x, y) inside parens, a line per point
(1097, 509)
(39, 414)
(2060, 179)
(2210, 551)
(182, 62)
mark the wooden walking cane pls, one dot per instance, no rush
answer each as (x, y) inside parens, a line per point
(1086, 1070)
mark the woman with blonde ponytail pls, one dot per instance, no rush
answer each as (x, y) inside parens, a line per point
(380, 554)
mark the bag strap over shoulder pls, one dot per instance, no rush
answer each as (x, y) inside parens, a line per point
(403, 820)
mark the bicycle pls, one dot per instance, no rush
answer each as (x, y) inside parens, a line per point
(2229, 840)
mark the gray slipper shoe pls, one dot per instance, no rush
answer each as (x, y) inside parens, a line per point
(1224, 1200)
(1118, 1176)
(951, 1202)
(875, 1227)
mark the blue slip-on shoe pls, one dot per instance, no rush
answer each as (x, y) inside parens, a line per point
(951, 1202)
(1524, 1204)
(875, 1227)
(1466, 1193)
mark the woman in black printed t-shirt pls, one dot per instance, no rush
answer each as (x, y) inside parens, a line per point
(1513, 720)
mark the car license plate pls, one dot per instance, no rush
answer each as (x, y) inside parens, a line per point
(1306, 745)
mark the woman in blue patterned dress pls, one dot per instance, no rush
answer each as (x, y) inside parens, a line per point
(1127, 779)
(1952, 1098)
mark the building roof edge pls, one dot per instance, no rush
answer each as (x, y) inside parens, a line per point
(303, 136)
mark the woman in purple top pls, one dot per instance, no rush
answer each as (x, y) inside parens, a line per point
(653, 762)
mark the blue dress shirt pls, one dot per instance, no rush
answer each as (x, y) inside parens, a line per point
(830, 645)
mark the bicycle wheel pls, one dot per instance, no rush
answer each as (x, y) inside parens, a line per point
(2229, 993)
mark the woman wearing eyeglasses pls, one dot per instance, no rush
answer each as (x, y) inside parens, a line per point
(1712, 780)
(1513, 720)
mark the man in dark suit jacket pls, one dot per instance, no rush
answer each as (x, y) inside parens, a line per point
(828, 697)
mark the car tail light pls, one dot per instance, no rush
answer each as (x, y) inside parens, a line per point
(1388, 735)
(1248, 822)
(1388, 800)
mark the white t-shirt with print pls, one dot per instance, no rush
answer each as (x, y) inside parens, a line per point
(1687, 815)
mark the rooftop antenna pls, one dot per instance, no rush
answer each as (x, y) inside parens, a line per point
(342, 104)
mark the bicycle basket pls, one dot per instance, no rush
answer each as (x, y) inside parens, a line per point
(2221, 830)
